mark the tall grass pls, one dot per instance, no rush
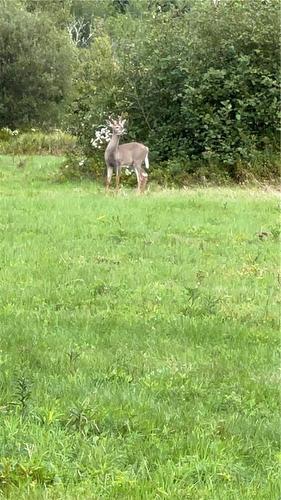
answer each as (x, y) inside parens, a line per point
(139, 341)
(37, 142)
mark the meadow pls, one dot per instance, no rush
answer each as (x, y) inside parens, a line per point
(139, 340)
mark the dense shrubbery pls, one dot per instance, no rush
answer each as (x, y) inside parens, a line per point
(199, 86)
(177, 172)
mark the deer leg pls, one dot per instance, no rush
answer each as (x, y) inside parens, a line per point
(144, 178)
(118, 173)
(138, 174)
(108, 178)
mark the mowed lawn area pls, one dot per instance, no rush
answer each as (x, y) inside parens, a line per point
(139, 340)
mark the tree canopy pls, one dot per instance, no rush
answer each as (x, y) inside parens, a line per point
(36, 61)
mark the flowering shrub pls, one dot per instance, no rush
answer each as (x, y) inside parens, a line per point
(101, 136)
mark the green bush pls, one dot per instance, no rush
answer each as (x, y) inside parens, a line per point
(77, 167)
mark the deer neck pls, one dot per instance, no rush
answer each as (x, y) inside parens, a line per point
(113, 144)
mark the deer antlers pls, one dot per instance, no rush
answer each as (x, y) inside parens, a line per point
(115, 123)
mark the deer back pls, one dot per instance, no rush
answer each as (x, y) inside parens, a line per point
(131, 154)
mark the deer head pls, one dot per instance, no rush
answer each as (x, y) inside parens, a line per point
(117, 126)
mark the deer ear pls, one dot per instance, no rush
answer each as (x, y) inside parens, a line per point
(123, 122)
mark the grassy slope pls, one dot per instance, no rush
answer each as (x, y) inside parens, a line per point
(146, 332)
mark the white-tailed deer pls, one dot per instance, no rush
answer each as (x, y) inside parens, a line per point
(131, 155)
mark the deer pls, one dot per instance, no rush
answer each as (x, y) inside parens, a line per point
(131, 155)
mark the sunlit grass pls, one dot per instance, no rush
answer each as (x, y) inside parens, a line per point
(139, 340)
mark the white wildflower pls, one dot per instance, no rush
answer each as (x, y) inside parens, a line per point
(102, 135)
(7, 130)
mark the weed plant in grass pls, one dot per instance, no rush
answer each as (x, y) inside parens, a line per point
(139, 341)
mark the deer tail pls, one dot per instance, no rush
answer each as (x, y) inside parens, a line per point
(146, 160)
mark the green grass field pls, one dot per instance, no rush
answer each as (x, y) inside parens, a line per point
(139, 341)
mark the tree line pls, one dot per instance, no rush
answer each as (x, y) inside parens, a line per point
(197, 80)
